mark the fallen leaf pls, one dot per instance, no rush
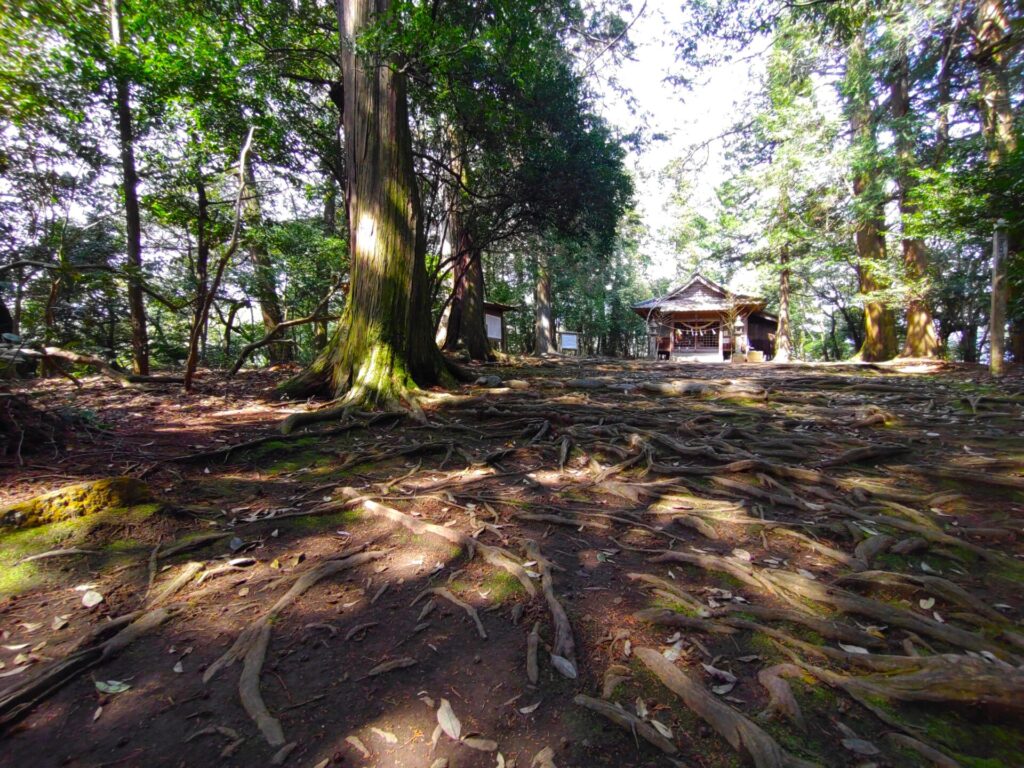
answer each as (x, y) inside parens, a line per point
(742, 554)
(179, 668)
(112, 686)
(928, 604)
(853, 648)
(448, 721)
(641, 708)
(356, 742)
(661, 728)
(59, 622)
(861, 747)
(97, 713)
(544, 759)
(530, 709)
(91, 598)
(387, 736)
(564, 666)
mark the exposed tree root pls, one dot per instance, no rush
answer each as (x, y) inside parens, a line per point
(627, 720)
(495, 556)
(18, 700)
(743, 735)
(933, 585)
(564, 645)
(928, 752)
(251, 644)
(469, 609)
(780, 694)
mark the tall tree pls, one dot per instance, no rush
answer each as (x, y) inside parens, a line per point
(383, 347)
(869, 201)
(129, 191)
(994, 46)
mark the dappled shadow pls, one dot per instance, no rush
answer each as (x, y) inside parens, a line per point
(604, 474)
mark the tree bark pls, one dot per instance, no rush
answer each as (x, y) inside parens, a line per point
(544, 327)
(264, 279)
(466, 324)
(6, 320)
(783, 341)
(921, 339)
(384, 346)
(879, 320)
(129, 184)
(202, 266)
(991, 30)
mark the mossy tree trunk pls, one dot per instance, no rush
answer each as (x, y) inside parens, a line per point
(383, 347)
(921, 340)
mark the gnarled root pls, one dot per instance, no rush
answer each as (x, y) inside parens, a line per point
(743, 735)
(495, 556)
(780, 694)
(627, 720)
(251, 644)
(563, 645)
(17, 701)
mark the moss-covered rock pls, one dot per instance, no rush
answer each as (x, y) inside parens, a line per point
(76, 500)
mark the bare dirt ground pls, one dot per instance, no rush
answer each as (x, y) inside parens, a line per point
(780, 566)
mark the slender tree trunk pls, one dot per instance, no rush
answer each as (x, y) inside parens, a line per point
(129, 184)
(921, 340)
(879, 320)
(384, 346)
(991, 30)
(543, 326)
(783, 340)
(202, 267)
(264, 279)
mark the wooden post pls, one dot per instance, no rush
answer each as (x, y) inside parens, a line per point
(721, 341)
(997, 314)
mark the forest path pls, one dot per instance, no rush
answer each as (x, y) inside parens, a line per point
(790, 565)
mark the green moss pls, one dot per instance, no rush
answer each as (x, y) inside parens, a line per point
(79, 532)
(502, 586)
(75, 501)
(322, 522)
(664, 603)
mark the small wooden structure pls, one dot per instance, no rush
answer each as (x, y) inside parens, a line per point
(703, 321)
(494, 319)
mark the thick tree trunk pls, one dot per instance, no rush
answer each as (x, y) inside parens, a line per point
(6, 320)
(133, 221)
(543, 326)
(879, 321)
(991, 30)
(384, 346)
(921, 340)
(466, 324)
(264, 279)
(783, 341)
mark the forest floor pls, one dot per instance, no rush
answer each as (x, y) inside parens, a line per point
(776, 565)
